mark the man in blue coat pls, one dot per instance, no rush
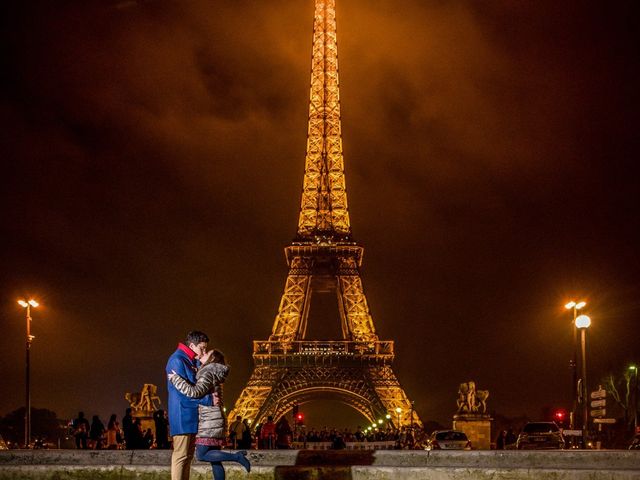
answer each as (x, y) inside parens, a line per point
(183, 411)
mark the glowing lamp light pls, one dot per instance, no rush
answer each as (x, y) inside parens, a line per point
(25, 304)
(583, 321)
(398, 410)
(576, 305)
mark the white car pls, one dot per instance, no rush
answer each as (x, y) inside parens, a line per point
(448, 440)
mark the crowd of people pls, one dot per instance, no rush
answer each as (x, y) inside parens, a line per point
(281, 435)
(130, 434)
(115, 436)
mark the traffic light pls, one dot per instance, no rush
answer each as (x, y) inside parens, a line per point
(560, 416)
(299, 418)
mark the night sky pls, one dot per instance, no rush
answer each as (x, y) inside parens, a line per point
(152, 162)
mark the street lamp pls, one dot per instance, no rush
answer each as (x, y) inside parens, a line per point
(583, 322)
(575, 306)
(27, 416)
(634, 368)
(398, 412)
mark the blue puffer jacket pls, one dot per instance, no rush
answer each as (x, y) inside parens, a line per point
(183, 411)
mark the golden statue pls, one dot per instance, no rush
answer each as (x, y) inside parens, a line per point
(145, 400)
(471, 400)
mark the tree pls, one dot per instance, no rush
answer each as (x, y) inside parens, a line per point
(44, 424)
(619, 388)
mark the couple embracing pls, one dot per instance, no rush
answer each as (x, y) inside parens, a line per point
(196, 417)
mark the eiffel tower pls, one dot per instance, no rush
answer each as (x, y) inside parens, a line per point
(289, 368)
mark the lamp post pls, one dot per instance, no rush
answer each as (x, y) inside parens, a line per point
(27, 416)
(575, 306)
(635, 399)
(583, 322)
(398, 412)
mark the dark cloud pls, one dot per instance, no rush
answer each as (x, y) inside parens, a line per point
(152, 162)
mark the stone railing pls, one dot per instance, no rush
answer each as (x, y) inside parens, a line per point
(306, 352)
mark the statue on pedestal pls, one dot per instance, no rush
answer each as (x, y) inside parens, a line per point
(143, 405)
(471, 400)
(472, 417)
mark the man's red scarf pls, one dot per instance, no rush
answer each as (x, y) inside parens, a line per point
(190, 353)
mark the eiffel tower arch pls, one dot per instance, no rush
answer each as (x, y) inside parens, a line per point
(289, 367)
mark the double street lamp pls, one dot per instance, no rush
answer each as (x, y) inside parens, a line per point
(27, 416)
(574, 306)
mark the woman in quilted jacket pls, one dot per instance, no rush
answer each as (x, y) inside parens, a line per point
(211, 420)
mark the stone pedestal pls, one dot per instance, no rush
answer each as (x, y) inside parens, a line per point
(477, 427)
(146, 420)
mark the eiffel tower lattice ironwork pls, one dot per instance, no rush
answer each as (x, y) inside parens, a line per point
(289, 368)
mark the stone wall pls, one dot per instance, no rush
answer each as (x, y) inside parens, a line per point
(331, 465)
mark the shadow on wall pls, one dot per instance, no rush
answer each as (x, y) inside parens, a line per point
(326, 464)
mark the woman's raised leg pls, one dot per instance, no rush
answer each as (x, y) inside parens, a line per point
(215, 456)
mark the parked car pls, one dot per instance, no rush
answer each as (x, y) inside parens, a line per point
(539, 435)
(448, 440)
(635, 442)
